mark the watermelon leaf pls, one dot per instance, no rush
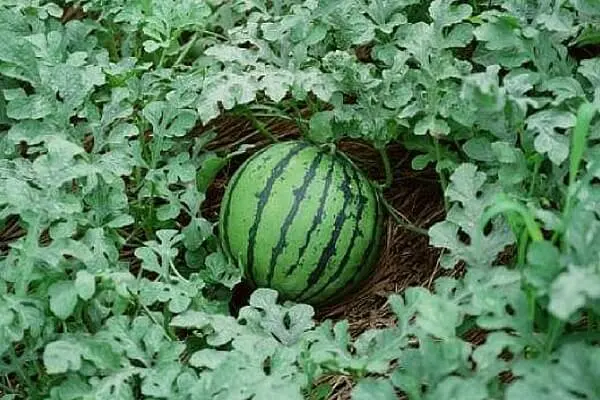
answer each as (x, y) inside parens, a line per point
(285, 324)
(460, 233)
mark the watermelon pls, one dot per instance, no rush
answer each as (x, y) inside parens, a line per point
(302, 220)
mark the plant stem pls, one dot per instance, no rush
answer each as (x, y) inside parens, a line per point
(536, 171)
(177, 273)
(578, 147)
(282, 116)
(389, 176)
(401, 220)
(299, 119)
(261, 127)
(7, 389)
(521, 259)
(163, 57)
(585, 115)
(150, 214)
(19, 367)
(185, 49)
(228, 147)
(554, 331)
(522, 247)
(443, 180)
(504, 204)
(149, 313)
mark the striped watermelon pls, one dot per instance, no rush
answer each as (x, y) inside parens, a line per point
(302, 221)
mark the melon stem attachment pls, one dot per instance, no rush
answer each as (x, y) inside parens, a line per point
(331, 148)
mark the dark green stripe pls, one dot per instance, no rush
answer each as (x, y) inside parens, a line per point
(362, 201)
(373, 242)
(263, 197)
(329, 250)
(317, 219)
(299, 195)
(232, 186)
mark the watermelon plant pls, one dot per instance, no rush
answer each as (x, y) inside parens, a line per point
(120, 125)
(302, 221)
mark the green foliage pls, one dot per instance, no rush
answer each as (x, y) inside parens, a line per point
(112, 284)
